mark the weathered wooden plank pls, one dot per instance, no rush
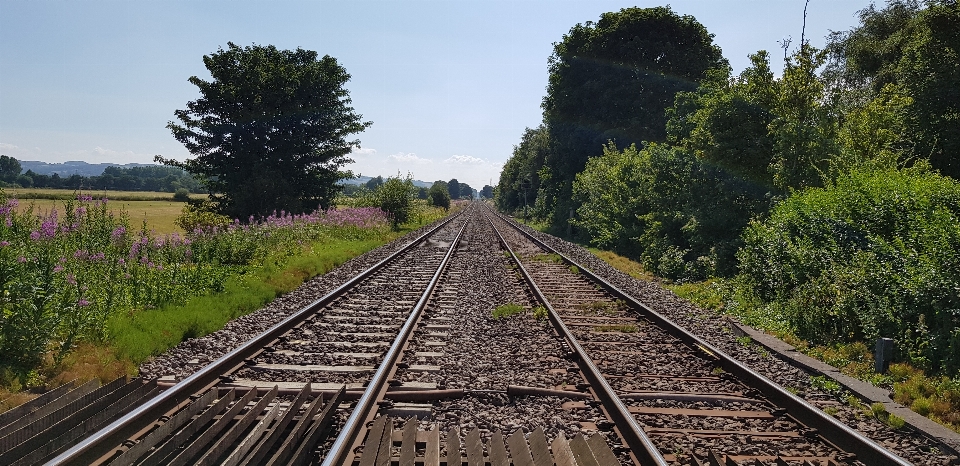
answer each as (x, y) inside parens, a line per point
(182, 435)
(496, 451)
(166, 429)
(62, 419)
(431, 456)
(601, 451)
(581, 451)
(252, 438)
(539, 448)
(116, 408)
(223, 444)
(518, 449)
(474, 448)
(43, 405)
(317, 430)
(211, 433)
(386, 444)
(562, 454)
(263, 447)
(701, 412)
(453, 447)
(61, 422)
(372, 444)
(408, 443)
(299, 429)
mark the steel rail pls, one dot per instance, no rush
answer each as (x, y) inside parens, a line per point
(829, 428)
(641, 445)
(110, 437)
(341, 450)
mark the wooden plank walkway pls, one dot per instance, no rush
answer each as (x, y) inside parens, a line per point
(393, 441)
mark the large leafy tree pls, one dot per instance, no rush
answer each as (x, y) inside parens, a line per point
(9, 168)
(914, 52)
(270, 130)
(613, 80)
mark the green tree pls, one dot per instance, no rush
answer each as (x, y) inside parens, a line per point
(466, 191)
(374, 183)
(486, 192)
(916, 50)
(269, 131)
(395, 196)
(439, 194)
(520, 177)
(9, 169)
(613, 80)
(453, 187)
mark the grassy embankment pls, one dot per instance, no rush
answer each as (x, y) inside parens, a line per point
(935, 397)
(140, 333)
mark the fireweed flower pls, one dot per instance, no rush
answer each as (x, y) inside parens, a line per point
(4, 244)
(118, 233)
(21, 259)
(83, 303)
(71, 279)
(58, 269)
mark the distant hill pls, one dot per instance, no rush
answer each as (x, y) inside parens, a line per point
(73, 167)
(76, 167)
(364, 179)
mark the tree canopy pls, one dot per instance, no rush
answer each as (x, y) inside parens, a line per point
(613, 80)
(270, 130)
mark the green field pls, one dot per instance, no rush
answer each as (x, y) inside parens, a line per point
(158, 209)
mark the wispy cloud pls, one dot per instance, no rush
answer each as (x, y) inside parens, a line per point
(409, 158)
(363, 152)
(5, 146)
(464, 160)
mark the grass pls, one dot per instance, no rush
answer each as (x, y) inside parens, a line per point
(146, 333)
(622, 328)
(158, 215)
(64, 194)
(507, 310)
(623, 264)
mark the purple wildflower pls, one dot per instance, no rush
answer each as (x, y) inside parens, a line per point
(71, 279)
(58, 269)
(83, 302)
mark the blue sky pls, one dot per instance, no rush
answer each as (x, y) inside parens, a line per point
(450, 85)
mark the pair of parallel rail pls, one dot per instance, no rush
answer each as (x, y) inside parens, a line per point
(205, 420)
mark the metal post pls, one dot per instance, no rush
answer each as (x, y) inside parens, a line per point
(882, 355)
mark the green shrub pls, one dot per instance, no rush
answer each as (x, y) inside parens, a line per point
(874, 255)
(181, 195)
(507, 310)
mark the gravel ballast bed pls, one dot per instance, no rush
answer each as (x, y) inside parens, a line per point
(714, 328)
(186, 358)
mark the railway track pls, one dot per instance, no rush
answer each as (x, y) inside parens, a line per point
(404, 365)
(690, 402)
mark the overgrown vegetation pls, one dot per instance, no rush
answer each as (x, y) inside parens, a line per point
(67, 274)
(819, 202)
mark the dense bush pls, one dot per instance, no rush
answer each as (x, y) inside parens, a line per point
(680, 216)
(877, 254)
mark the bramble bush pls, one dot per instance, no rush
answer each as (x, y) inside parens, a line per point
(65, 273)
(876, 254)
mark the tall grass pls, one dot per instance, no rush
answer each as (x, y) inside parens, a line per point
(76, 274)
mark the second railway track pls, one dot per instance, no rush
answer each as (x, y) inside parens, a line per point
(405, 365)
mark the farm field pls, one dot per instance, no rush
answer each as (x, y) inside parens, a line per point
(64, 194)
(159, 215)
